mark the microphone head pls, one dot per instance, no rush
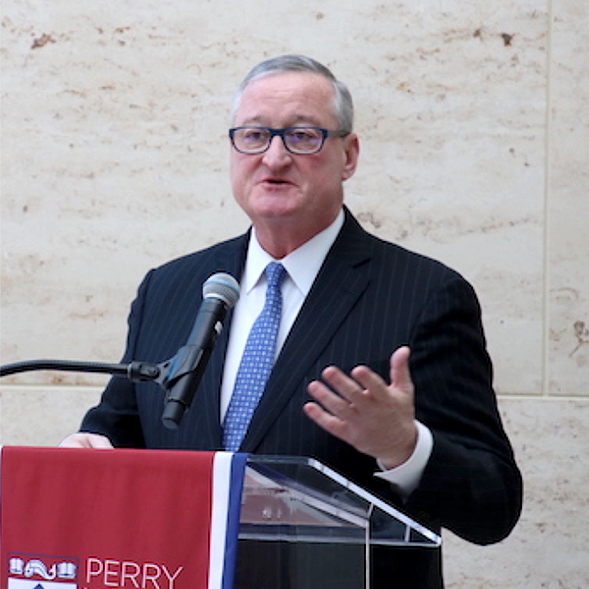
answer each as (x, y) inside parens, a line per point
(221, 286)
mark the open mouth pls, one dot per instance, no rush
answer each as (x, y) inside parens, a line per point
(276, 182)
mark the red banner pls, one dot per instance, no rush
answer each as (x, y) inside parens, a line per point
(128, 519)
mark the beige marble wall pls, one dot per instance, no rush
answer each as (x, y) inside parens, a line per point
(474, 120)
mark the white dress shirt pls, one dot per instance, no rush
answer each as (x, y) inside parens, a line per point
(302, 266)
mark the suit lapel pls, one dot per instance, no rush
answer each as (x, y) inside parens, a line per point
(342, 279)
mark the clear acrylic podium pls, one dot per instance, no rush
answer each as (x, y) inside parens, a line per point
(303, 526)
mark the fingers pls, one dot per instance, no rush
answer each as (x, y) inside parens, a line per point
(329, 410)
(364, 385)
(327, 421)
(334, 403)
(351, 388)
(343, 402)
(86, 440)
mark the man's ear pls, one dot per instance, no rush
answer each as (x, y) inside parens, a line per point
(352, 152)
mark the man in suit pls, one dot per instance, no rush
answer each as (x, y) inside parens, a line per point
(380, 365)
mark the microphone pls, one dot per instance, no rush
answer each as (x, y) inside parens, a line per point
(220, 293)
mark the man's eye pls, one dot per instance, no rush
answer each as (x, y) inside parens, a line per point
(301, 136)
(254, 136)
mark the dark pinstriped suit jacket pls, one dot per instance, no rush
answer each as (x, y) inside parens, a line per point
(369, 298)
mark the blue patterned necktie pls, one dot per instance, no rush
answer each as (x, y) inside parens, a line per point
(256, 362)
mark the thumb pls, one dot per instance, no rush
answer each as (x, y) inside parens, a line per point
(400, 374)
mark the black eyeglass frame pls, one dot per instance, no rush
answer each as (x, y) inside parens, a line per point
(325, 133)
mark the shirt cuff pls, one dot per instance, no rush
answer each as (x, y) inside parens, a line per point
(406, 477)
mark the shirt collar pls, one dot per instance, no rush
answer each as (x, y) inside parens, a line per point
(302, 264)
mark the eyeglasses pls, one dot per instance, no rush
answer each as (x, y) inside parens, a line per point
(297, 140)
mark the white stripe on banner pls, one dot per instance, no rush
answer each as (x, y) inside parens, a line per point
(32, 584)
(228, 474)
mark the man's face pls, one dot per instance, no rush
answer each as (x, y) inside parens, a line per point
(277, 189)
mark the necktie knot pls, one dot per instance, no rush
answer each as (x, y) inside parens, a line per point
(275, 272)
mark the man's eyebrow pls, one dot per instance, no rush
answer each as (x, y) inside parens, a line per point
(296, 121)
(252, 121)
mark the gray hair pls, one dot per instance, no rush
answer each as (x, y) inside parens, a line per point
(343, 105)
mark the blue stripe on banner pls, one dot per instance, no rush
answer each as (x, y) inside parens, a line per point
(238, 465)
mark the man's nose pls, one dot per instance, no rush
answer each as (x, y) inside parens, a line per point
(276, 154)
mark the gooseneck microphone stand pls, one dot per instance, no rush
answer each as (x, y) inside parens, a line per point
(166, 374)
(135, 371)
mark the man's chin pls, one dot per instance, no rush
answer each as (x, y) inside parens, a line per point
(275, 205)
